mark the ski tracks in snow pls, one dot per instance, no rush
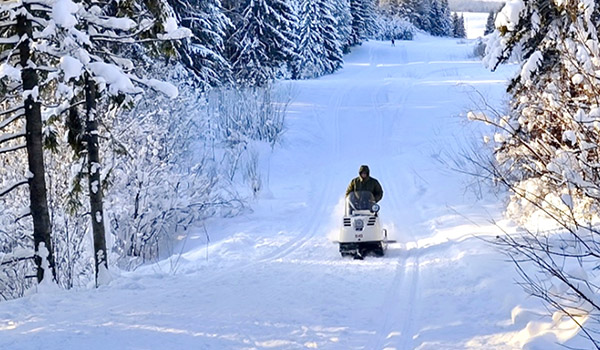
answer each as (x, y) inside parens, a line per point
(399, 308)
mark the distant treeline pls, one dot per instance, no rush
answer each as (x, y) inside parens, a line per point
(475, 6)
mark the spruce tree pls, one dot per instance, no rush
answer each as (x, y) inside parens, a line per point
(343, 16)
(438, 23)
(458, 26)
(203, 53)
(489, 24)
(446, 19)
(358, 23)
(368, 11)
(310, 48)
(363, 20)
(422, 14)
(262, 40)
(319, 49)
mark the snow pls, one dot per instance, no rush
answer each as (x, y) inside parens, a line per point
(474, 23)
(114, 77)
(6, 70)
(47, 286)
(71, 67)
(589, 6)
(272, 278)
(18, 253)
(509, 15)
(173, 31)
(34, 93)
(529, 67)
(62, 13)
(94, 168)
(124, 23)
(168, 89)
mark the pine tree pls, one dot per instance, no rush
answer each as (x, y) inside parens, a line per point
(263, 40)
(438, 25)
(319, 46)
(80, 49)
(446, 17)
(343, 16)
(358, 23)
(310, 46)
(368, 10)
(462, 30)
(458, 26)
(421, 14)
(332, 40)
(203, 53)
(489, 24)
(363, 21)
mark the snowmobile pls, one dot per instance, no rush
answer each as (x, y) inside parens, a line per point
(361, 233)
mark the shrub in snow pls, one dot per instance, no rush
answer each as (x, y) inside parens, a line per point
(180, 161)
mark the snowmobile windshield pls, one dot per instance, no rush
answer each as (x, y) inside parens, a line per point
(359, 200)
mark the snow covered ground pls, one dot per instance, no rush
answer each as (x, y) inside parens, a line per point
(272, 279)
(474, 23)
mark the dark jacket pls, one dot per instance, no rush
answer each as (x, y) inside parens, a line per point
(369, 184)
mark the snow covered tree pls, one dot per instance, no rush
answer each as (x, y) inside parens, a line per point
(20, 72)
(204, 51)
(548, 147)
(489, 24)
(363, 21)
(369, 16)
(440, 21)
(420, 16)
(80, 45)
(343, 16)
(262, 40)
(458, 26)
(391, 26)
(319, 48)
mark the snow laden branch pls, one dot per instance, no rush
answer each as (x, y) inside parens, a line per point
(8, 121)
(68, 77)
(546, 152)
(10, 187)
(12, 148)
(9, 137)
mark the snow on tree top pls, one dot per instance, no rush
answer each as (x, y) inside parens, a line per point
(6, 70)
(116, 80)
(509, 16)
(62, 13)
(71, 67)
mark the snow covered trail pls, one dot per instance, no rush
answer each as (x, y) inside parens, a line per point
(272, 279)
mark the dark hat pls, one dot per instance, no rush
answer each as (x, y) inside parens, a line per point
(364, 169)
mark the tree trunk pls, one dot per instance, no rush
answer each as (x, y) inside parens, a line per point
(42, 229)
(94, 181)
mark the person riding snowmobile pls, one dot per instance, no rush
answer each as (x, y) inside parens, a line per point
(364, 182)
